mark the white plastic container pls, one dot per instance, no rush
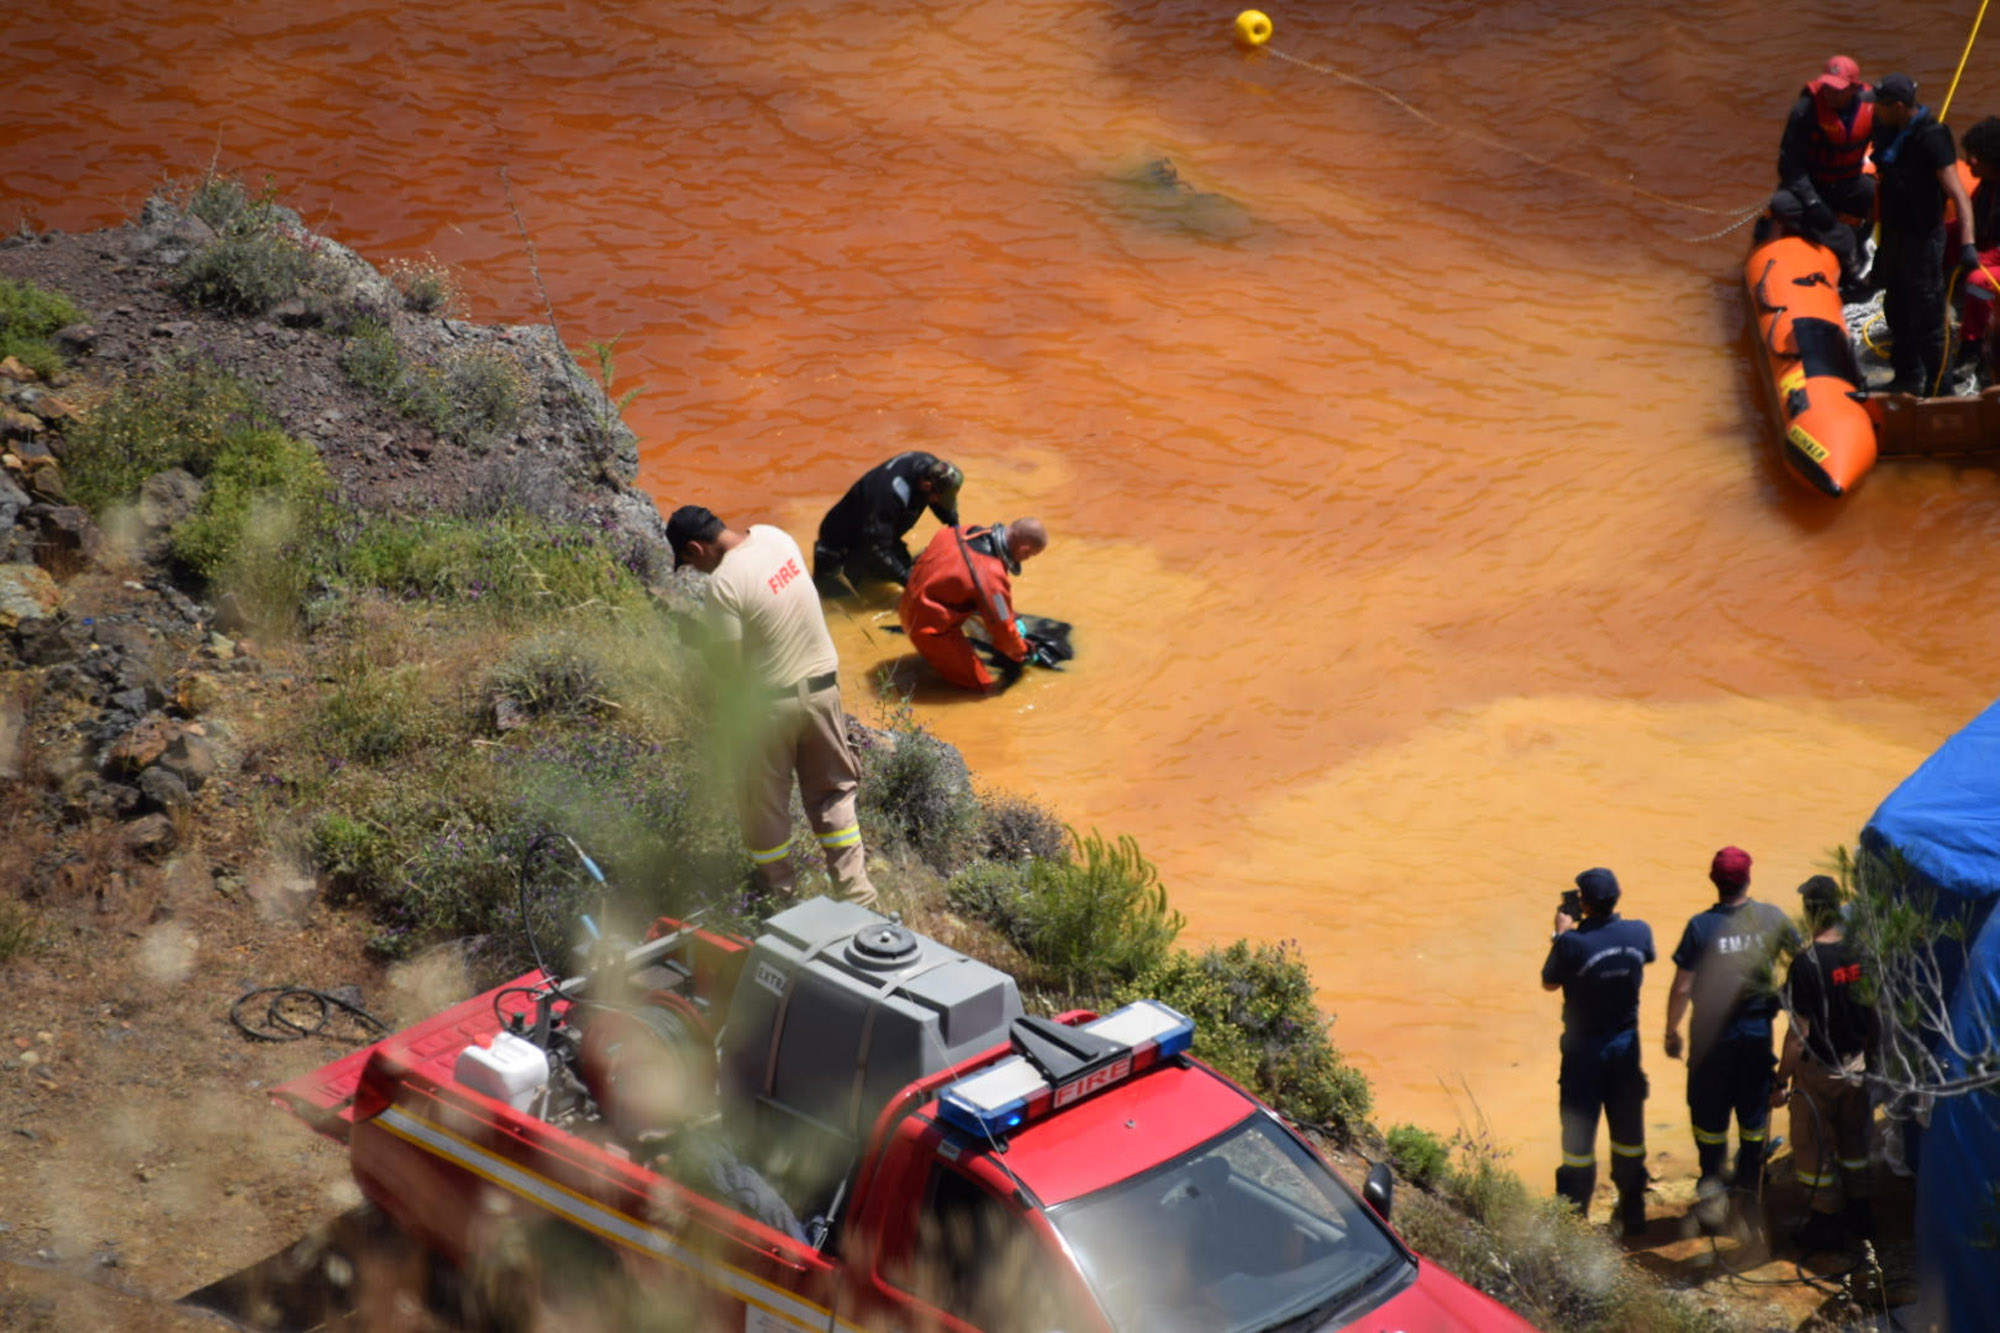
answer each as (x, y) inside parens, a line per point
(513, 1069)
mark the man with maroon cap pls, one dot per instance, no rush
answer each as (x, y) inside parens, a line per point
(1723, 967)
(1820, 157)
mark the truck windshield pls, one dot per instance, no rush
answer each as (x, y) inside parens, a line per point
(1247, 1233)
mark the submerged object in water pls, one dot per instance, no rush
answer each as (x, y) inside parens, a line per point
(1158, 194)
(1050, 637)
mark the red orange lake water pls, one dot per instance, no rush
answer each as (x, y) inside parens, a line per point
(1414, 503)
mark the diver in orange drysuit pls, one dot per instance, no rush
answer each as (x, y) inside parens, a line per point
(968, 571)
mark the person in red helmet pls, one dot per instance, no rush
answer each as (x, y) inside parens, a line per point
(1723, 969)
(967, 572)
(1819, 161)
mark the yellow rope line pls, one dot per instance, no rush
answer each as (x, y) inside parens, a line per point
(1963, 56)
(1873, 320)
(1944, 358)
(1489, 141)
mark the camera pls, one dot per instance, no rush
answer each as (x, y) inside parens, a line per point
(1572, 904)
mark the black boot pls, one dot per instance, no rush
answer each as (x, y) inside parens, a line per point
(1819, 1235)
(1859, 1219)
(1632, 1214)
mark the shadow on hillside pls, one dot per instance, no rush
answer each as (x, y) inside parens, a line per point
(355, 1271)
(1839, 1286)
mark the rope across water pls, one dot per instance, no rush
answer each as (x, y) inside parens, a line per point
(1740, 217)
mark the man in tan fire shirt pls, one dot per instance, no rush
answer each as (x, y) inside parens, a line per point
(763, 608)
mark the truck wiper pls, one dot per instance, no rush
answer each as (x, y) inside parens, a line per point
(1321, 1310)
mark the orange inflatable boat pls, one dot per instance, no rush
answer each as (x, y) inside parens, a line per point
(1818, 396)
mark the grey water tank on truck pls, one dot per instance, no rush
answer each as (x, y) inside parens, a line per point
(838, 1008)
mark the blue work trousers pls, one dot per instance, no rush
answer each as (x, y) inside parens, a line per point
(1733, 1076)
(1601, 1073)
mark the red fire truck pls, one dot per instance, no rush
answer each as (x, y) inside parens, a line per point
(845, 1125)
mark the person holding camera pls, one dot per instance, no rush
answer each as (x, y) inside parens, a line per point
(1597, 960)
(1723, 970)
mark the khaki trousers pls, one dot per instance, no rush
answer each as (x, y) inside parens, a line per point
(805, 737)
(1829, 1129)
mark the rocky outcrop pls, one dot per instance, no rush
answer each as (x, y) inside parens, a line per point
(127, 666)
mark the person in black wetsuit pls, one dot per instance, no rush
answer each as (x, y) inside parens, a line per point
(1598, 964)
(861, 537)
(1916, 166)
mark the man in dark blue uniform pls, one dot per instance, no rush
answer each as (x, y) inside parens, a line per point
(861, 537)
(1723, 968)
(1598, 965)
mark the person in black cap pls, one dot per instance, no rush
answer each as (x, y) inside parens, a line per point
(1598, 964)
(1826, 1055)
(1916, 171)
(765, 621)
(1819, 161)
(861, 537)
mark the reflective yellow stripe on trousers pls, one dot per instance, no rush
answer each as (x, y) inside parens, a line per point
(841, 837)
(777, 853)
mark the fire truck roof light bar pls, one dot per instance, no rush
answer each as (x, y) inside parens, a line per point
(996, 1101)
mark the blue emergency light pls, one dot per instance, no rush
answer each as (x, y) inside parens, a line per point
(1059, 1066)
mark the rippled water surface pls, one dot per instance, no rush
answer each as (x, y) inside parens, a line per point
(1412, 499)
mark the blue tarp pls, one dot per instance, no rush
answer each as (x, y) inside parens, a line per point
(1945, 821)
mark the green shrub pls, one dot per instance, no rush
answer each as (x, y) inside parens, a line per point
(551, 675)
(257, 475)
(1420, 1155)
(253, 263)
(915, 792)
(245, 273)
(28, 315)
(1256, 1021)
(1098, 920)
(374, 713)
(426, 285)
(227, 205)
(485, 391)
(510, 563)
(1013, 829)
(1538, 1255)
(990, 891)
(351, 852)
(371, 359)
(434, 845)
(476, 395)
(179, 415)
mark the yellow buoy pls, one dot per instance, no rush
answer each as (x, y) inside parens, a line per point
(1253, 28)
